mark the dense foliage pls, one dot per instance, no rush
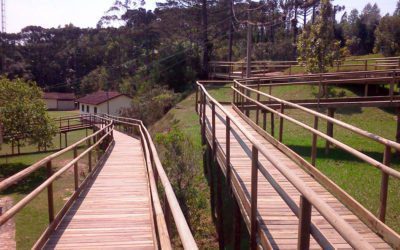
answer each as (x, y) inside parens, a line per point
(23, 113)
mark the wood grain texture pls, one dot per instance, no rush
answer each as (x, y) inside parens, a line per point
(277, 220)
(115, 210)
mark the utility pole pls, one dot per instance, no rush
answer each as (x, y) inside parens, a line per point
(3, 16)
(249, 45)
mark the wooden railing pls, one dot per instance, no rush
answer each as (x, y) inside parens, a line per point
(104, 137)
(242, 98)
(238, 69)
(158, 176)
(309, 198)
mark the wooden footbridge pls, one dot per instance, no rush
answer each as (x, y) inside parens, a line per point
(115, 203)
(285, 201)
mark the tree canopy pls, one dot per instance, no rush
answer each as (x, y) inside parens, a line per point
(23, 113)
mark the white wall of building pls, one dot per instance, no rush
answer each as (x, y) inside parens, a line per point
(51, 104)
(115, 106)
(65, 105)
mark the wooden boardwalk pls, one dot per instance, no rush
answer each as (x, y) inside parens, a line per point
(115, 209)
(277, 221)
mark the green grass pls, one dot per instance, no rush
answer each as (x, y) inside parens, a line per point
(33, 219)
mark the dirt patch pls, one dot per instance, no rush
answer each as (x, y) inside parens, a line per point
(7, 231)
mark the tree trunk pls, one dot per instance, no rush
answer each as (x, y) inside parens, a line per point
(205, 39)
(230, 45)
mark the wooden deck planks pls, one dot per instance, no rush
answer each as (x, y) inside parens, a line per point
(277, 221)
(115, 210)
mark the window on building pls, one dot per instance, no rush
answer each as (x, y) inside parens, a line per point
(87, 109)
(82, 107)
(95, 110)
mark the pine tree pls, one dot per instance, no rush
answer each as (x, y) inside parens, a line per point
(316, 46)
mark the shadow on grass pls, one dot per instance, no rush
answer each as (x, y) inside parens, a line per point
(338, 154)
(26, 185)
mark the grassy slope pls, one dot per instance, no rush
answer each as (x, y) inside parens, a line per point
(32, 220)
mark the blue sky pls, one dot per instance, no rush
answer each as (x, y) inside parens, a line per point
(86, 13)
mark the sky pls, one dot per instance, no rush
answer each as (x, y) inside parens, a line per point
(86, 13)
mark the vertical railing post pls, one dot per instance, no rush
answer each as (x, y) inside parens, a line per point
(314, 142)
(228, 152)
(264, 119)
(76, 173)
(89, 155)
(258, 100)
(197, 99)
(281, 123)
(384, 184)
(272, 124)
(254, 187)
(303, 242)
(329, 128)
(203, 124)
(50, 197)
(214, 142)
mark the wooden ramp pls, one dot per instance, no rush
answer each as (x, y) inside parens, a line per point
(115, 210)
(277, 221)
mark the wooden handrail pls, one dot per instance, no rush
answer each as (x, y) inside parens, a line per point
(27, 171)
(352, 128)
(23, 202)
(343, 228)
(183, 228)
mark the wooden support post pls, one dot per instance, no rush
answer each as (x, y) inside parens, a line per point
(18, 147)
(203, 123)
(220, 219)
(366, 90)
(60, 141)
(76, 170)
(366, 65)
(237, 226)
(197, 100)
(214, 138)
(50, 197)
(89, 156)
(264, 119)
(398, 125)
(228, 153)
(304, 224)
(314, 143)
(281, 123)
(272, 124)
(12, 147)
(66, 139)
(258, 100)
(384, 185)
(211, 181)
(329, 128)
(254, 187)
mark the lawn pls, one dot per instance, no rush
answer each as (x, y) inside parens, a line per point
(33, 219)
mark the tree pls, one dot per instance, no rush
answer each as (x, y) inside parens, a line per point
(317, 47)
(397, 10)
(388, 36)
(23, 113)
